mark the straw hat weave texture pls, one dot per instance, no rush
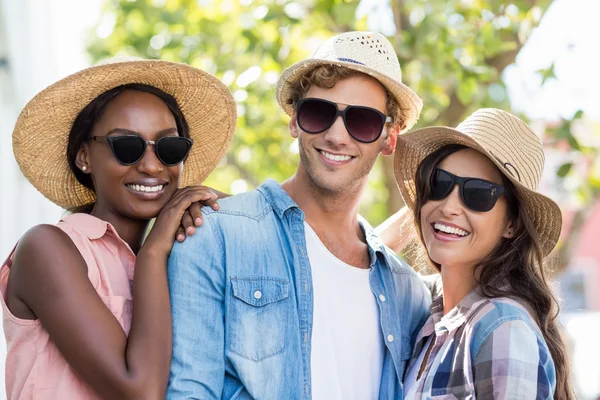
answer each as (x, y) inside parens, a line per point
(367, 52)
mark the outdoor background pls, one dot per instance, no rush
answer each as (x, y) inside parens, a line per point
(537, 58)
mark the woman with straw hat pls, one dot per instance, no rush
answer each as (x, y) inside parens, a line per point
(109, 141)
(492, 331)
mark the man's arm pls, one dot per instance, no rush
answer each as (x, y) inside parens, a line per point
(196, 273)
(396, 231)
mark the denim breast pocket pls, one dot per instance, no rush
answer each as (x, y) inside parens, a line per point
(258, 315)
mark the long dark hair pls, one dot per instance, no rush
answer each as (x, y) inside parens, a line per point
(87, 118)
(514, 269)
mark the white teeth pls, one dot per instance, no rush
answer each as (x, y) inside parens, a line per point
(142, 188)
(335, 157)
(450, 229)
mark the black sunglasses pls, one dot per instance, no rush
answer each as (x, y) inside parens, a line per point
(364, 124)
(129, 149)
(477, 194)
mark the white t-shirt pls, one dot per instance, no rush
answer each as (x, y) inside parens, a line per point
(347, 346)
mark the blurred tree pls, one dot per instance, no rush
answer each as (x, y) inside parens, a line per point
(579, 139)
(452, 53)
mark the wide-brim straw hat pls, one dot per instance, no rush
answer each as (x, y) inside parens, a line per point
(507, 141)
(41, 133)
(367, 52)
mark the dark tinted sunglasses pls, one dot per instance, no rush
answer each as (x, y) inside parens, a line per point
(477, 194)
(129, 149)
(364, 124)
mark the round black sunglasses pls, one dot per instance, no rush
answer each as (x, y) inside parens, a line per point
(365, 124)
(477, 194)
(129, 149)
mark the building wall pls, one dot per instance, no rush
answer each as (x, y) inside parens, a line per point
(28, 45)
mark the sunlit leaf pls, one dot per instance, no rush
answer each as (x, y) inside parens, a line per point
(564, 169)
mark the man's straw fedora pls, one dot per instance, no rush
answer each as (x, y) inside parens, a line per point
(507, 141)
(41, 133)
(367, 52)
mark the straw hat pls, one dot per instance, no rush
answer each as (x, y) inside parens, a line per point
(41, 133)
(507, 141)
(367, 52)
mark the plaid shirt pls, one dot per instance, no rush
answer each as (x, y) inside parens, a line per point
(483, 348)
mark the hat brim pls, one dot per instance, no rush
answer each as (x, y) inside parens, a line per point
(41, 133)
(413, 147)
(410, 104)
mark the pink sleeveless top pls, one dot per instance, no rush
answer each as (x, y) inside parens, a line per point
(35, 369)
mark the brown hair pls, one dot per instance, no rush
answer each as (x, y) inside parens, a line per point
(326, 76)
(514, 269)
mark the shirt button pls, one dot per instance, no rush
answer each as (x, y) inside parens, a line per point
(257, 295)
(382, 297)
(390, 338)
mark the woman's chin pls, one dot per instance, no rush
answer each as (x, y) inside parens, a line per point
(145, 213)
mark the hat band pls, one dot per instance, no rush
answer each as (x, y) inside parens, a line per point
(349, 60)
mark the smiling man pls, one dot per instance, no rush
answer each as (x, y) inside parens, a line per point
(286, 293)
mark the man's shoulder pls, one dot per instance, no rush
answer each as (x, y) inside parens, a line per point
(249, 205)
(397, 264)
(236, 216)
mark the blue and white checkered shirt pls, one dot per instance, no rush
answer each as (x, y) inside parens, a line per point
(483, 348)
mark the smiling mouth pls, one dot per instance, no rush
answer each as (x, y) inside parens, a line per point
(335, 157)
(145, 189)
(449, 230)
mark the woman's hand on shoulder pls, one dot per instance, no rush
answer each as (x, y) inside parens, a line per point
(192, 217)
(180, 216)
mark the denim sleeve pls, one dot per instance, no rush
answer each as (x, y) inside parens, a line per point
(196, 273)
(421, 300)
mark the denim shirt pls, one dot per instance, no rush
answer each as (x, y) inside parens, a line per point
(241, 295)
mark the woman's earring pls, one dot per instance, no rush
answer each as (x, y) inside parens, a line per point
(84, 168)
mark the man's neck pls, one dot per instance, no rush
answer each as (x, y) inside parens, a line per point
(325, 209)
(333, 217)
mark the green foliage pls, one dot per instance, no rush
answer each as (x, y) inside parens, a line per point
(583, 169)
(547, 73)
(564, 169)
(452, 53)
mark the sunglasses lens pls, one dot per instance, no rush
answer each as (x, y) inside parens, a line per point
(173, 149)
(441, 185)
(479, 195)
(364, 124)
(315, 116)
(128, 149)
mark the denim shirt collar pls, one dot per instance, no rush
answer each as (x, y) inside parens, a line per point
(280, 201)
(278, 198)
